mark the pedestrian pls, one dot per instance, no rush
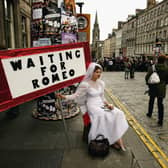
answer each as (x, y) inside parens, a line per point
(132, 69)
(126, 68)
(157, 90)
(110, 65)
(105, 118)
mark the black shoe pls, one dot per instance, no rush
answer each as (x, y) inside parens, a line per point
(148, 115)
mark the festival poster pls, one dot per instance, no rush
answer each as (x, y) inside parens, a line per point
(68, 24)
(70, 7)
(68, 38)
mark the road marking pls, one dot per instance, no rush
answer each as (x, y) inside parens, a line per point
(159, 155)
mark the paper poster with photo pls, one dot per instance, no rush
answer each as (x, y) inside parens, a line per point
(68, 24)
(50, 7)
(51, 17)
(70, 7)
(52, 24)
(36, 28)
(60, 3)
(37, 13)
(68, 38)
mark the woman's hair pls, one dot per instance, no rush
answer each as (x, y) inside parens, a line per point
(96, 68)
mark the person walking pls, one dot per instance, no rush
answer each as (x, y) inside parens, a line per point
(126, 68)
(132, 69)
(157, 90)
(105, 118)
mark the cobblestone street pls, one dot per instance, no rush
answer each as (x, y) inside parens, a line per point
(131, 93)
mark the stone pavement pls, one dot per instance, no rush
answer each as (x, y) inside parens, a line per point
(131, 93)
(26, 142)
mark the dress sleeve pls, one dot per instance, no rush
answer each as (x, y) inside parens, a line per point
(80, 96)
(102, 95)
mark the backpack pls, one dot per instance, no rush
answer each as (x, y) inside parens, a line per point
(154, 77)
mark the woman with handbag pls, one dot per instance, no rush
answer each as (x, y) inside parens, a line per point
(105, 118)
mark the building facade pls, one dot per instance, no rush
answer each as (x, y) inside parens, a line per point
(118, 46)
(131, 36)
(15, 24)
(107, 47)
(144, 34)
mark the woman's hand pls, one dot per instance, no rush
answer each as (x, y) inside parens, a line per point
(110, 106)
(59, 95)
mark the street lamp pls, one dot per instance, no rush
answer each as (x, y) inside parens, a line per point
(80, 4)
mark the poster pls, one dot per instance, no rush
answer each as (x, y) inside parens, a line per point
(30, 73)
(39, 71)
(68, 38)
(70, 7)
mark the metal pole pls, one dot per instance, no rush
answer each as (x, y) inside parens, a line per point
(64, 123)
(80, 4)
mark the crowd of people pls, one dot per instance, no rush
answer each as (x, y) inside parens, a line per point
(117, 64)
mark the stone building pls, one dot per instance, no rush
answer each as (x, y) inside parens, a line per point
(107, 47)
(113, 42)
(130, 35)
(118, 46)
(152, 29)
(110, 45)
(15, 24)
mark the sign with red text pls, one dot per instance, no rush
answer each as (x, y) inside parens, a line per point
(34, 72)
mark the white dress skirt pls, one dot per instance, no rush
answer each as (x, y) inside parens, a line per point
(111, 123)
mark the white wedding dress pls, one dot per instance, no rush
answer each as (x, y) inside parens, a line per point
(111, 123)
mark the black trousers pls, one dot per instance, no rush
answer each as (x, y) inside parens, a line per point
(160, 107)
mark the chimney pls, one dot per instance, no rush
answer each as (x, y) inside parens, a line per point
(151, 3)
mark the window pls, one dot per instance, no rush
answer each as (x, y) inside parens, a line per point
(166, 7)
(161, 22)
(165, 34)
(157, 23)
(24, 32)
(166, 21)
(9, 24)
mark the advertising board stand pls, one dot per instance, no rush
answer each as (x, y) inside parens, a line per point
(30, 73)
(54, 22)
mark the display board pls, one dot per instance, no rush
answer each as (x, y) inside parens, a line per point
(33, 72)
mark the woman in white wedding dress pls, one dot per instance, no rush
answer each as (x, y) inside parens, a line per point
(105, 119)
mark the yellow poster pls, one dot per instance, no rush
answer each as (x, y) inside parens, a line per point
(70, 6)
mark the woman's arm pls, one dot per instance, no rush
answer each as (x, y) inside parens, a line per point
(110, 106)
(79, 96)
(80, 92)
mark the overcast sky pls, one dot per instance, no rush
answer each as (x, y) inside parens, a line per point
(110, 12)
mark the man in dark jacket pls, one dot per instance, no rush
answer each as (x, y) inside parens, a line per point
(158, 90)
